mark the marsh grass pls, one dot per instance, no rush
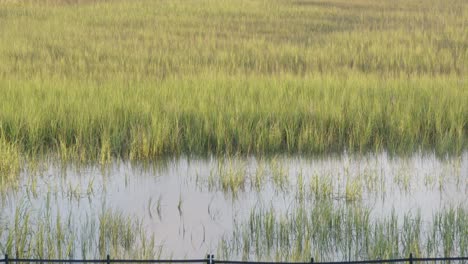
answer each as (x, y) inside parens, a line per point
(330, 232)
(234, 175)
(92, 80)
(143, 122)
(145, 40)
(9, 164)
(321, 217)
(47, 233)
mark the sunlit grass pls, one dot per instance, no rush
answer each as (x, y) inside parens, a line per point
(141, 79)
(84, 121)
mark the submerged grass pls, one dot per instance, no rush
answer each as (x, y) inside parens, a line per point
(335, 181)
(47, 234)
(140, 79)
(331, 232)
(324, 210)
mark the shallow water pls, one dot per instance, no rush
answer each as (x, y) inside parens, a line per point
(189, 208)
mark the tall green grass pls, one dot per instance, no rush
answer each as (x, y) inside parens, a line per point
(234, 115)
(9, 164)
(140, 79)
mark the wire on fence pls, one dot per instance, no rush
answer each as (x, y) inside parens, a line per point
(210, 259)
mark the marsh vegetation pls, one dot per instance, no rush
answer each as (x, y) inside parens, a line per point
(143, 79)
(279, 208)
(252, 129)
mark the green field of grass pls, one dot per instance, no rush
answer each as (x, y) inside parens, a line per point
(91, 80)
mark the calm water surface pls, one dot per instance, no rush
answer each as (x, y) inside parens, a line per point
(190, 204)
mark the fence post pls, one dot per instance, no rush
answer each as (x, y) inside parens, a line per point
(411, 258)
(312, 260)
(6, 258)
(108, 259)
(210, 259)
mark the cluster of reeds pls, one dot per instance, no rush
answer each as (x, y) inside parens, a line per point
(47, 234)
(328, 231)
(9, 163)
(232, 175)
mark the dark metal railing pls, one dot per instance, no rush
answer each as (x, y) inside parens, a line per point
(211, 260)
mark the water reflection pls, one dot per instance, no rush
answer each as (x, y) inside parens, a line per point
(195, 206)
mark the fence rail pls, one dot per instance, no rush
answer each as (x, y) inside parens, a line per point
(211, 260)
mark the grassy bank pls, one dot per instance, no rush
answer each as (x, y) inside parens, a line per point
(141, 79)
